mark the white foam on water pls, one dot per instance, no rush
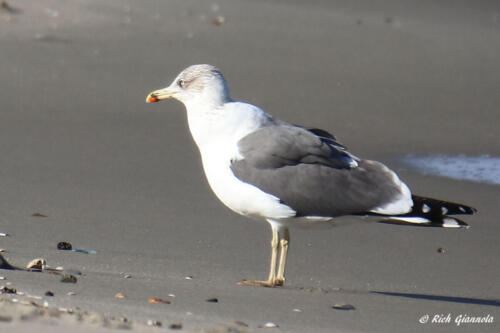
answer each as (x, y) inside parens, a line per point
(484, 169)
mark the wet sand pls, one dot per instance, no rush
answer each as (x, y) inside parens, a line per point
(121, 177)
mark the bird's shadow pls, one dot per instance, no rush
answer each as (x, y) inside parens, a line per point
(442, 298)
(427, 297)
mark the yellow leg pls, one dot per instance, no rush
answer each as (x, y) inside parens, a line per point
(271, 280)
(284, 242)
(274, 256)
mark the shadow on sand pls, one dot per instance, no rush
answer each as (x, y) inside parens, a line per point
(454, 299)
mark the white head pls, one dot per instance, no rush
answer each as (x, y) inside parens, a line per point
(195, 84)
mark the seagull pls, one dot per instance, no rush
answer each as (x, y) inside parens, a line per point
(288, 175)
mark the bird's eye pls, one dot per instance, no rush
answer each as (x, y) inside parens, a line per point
(181, 83)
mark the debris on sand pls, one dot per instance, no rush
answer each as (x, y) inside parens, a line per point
(175, 326)
(3, 234)
(87, 251)
(15, 309)
(440, 250)
(8, 290)
(39, 215)
(343, 307)
(68, 278)
(212, 300)
(119, 295)
(155, 300)
(219, 20)
(240, 323)
(66, 246)
(49, 293)
(154, 323)
(269, 324)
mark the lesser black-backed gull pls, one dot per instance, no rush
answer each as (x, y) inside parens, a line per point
(265, 168)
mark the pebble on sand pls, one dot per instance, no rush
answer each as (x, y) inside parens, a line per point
(38, 215)
(240, 323)
(64, 246)
(212, 300)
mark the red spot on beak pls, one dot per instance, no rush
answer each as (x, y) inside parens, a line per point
(153, 99)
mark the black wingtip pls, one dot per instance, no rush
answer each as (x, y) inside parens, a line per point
(440, 207)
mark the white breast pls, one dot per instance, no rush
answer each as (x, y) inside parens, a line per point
(239, 196)
(217, 132)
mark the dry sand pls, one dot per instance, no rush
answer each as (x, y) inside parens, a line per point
(79, 145)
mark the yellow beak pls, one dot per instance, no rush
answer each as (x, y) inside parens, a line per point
(159, 95)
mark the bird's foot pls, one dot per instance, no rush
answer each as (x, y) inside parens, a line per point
(260, 283)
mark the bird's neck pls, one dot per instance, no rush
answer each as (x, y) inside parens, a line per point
(221, 125)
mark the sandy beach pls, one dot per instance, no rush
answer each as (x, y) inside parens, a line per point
(85, 160)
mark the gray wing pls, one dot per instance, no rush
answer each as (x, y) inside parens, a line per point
(312, 173)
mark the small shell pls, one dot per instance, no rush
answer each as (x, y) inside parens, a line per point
(38, 263)
(343, 307)
(270, 325)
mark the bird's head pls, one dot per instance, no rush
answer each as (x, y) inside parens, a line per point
(202, 83)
